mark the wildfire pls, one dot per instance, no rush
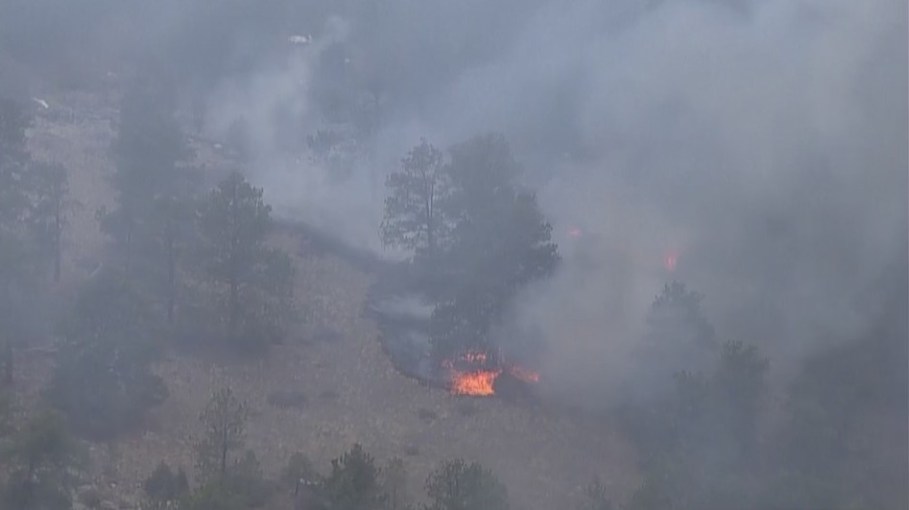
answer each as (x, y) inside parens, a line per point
(480, 381)
(670, 260)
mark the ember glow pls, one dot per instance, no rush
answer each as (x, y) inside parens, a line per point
(477, 379)
(670, 259)
(574, 232)
(480, 383)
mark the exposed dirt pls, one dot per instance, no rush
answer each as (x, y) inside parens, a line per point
(343, 388)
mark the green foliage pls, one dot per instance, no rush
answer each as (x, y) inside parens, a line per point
(456, 485)
(477, 237)
(499, 231)
(154, 189)
(41, 454)
(596, 497)
(698, 442)
(241, 487)
(353, 483)
(103, 381)
(299, 467)
(679, 336)
(841, 444)
(228, 481)
(50, 188)
(739, 383)
(394, 484)
(21, 269)
(6, 411)
(224, 420)
(14, 121)
(217, 495)
(413, 217)
(173, 233)
(246, 481)
(14, 187)
(251, 283)
(147, 150)
(499, 243)
(164, 486)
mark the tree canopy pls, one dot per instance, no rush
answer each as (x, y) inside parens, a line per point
(103, 382)
(250, 282)
(457, 485)
(477, 236)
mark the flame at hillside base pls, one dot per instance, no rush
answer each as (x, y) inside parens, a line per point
(481, 382)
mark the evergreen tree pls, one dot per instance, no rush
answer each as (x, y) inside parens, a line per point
(414, 218)
(103, 382)
(152, 181)
(50, 209)
(16, 261)
(224, 420)
(41, 455)
(353, 483)
(456, 485)
(252, 283)
(500, 242)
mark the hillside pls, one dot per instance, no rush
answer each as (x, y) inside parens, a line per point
(350, 391)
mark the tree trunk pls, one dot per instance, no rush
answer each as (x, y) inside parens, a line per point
(58, 244)
(29, 489)
(224, 455)
(171, 278)
(129, 250)
(234, 305)
(8, 362)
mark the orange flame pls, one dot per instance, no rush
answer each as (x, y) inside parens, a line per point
(479, 383)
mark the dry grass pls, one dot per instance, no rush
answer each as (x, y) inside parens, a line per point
(352, 392)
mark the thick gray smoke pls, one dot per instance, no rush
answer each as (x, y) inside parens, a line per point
(761, 144)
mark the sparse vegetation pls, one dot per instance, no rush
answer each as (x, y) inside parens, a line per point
(457, 485)
(40, 458)
(250, 283)
(287, 399)
(477, 237)
(224, 421)
(103, 382)
(354, 483)
(164, 487)
(299, 468)
(189, 194)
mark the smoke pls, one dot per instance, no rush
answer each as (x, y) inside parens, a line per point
(270, 112)
(763, 143)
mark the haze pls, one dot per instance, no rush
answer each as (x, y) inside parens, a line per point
(727, 178)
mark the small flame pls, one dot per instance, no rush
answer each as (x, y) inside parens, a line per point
(479, 380)
(574, 232)
(479, 383)
(670, 260)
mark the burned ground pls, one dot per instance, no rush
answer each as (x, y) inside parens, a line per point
(343, 384)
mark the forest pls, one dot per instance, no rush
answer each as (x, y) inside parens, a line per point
(316, 255)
